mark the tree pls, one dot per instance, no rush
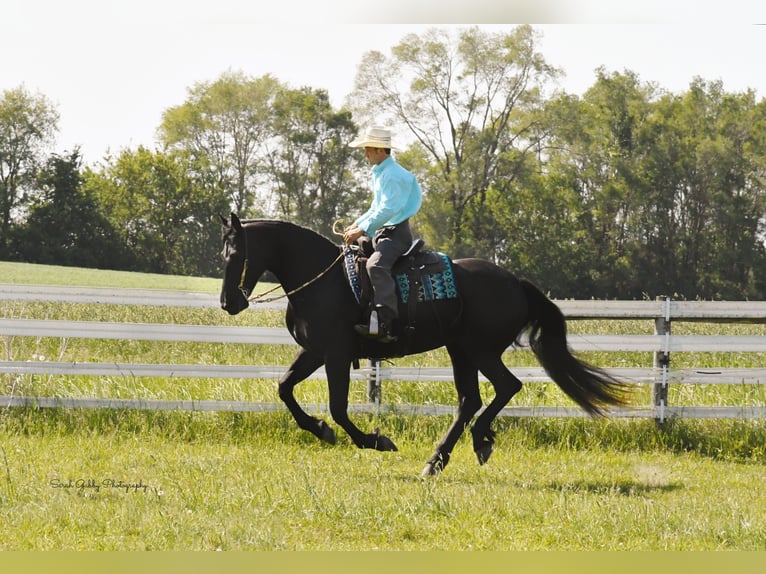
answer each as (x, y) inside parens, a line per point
(28, 124)
(541, 237)
(163, 215)
(471, 102)
(309, 163)
(65, 225)
(222, 126)
(671, 188)
(596, 146)
(719, 199)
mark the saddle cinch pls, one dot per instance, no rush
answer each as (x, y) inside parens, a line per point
(420, 275)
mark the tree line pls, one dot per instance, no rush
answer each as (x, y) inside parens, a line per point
(627, 191)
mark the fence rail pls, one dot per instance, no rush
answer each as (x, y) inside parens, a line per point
(278, 336)
(707, 311)
(661, 344)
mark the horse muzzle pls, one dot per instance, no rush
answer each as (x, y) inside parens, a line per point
(234, 305)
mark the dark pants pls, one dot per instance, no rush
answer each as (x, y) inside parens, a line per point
(389, 243)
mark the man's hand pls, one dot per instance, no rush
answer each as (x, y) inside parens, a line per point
(351, 234)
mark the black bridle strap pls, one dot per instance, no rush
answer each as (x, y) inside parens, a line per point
(261, 297)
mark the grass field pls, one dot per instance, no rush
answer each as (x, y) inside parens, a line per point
(132, 480)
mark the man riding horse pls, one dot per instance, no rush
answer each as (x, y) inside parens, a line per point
(396, 198)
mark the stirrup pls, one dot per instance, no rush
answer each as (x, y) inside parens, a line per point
(373, 329)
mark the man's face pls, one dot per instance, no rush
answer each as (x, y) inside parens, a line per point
(374, 155)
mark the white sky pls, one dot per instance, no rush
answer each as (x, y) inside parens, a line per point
(112, 67)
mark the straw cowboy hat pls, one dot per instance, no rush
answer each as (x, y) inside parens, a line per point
(374, 136)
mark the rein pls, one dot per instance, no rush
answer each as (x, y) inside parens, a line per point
(261, 297)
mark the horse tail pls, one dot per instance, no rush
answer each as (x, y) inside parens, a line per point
(590, 387)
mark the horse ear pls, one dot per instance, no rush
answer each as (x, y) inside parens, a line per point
(223, 219)
(235, 222)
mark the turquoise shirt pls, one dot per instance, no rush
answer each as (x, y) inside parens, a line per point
(396, 197)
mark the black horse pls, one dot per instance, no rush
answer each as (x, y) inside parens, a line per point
(493, 309)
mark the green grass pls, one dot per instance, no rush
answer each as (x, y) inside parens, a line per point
(235, 481)
(253, 482)
(31, 273)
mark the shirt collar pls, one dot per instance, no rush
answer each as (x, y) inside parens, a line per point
(382, 165)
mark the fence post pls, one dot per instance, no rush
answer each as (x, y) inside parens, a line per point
(374, 390)
(662, 362)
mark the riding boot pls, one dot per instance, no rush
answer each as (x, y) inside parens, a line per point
(380, 326)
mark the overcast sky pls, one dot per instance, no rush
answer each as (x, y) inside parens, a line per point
(112, 67)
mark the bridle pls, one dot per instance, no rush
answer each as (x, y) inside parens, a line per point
(262, 297)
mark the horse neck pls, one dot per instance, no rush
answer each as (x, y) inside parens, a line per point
(296, 254)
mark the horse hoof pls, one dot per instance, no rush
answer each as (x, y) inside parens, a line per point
(484, 452)
(431, 469)
(326, 434)
(383, 443)
(434, 466)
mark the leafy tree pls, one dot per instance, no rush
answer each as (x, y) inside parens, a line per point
(471, 102)
(222, 126)
(719, 199)
(164, 216)
(65, 225)
(309, 163)
(28, 124)
(671, 187)
(541, 231)
(601, 155)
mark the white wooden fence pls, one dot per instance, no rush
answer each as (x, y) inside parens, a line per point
(662, 344)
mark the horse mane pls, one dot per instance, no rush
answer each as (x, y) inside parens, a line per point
(283, 226)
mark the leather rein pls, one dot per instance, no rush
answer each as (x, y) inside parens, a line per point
(262, 297)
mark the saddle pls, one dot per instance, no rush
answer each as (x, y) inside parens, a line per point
(420, 275)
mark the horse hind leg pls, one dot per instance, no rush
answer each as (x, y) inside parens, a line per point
(469, 402)
(506, 385)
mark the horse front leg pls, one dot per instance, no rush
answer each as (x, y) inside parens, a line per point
(338, 382)
(303, 366)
